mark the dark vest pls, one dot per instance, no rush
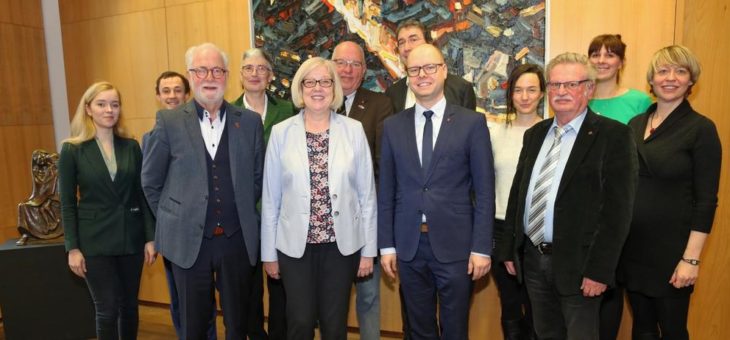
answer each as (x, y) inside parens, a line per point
(221, 209)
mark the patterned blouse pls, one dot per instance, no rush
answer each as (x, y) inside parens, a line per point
(321, 228)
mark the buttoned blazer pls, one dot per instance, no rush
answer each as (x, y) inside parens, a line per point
(456, 193)
(371, 108)
(287, 193)
(593, 206)
(175, 181)
(108, 217)
(456, 90)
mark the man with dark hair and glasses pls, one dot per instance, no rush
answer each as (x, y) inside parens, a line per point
(410, 34)
(202, 176)
(570, 205)
(370, 108)
(436, 202)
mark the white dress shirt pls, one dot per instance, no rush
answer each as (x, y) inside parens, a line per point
(212, 131)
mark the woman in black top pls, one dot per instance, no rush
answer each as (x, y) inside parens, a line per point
(679, 157)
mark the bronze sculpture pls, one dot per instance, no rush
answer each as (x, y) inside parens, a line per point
(39, 217)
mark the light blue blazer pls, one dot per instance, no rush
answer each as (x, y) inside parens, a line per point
(286, 189)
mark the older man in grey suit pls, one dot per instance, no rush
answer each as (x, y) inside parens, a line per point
(202, 177)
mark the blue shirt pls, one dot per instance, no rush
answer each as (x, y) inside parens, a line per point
(566, 146)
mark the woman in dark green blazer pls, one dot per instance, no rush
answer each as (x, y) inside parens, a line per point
(256, 74)
(109, 229)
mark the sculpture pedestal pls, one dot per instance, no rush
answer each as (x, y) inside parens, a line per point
(40, 297)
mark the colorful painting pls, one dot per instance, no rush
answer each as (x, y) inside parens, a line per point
(482, 40)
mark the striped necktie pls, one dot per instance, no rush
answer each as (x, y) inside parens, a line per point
(538, 206)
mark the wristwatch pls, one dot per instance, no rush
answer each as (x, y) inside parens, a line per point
(694, 262)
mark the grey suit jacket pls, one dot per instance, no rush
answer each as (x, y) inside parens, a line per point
(175, 180)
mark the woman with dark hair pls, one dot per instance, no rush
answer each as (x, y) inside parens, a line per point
(608, 53)
(525, 90)
(679, 173)
(109, 229)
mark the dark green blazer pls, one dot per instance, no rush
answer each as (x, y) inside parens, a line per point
(108, 217)
(276, 111)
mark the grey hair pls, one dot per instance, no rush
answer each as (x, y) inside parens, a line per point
(572, 58)
(204, 46)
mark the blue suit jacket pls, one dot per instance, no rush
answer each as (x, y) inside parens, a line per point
(175, 181)
(457, 193)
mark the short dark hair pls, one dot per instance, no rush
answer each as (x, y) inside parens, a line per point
(413, 23)
(172, 74)
(516, 73)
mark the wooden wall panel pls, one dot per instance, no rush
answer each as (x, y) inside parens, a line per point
(80, 10)
(645, 26)
(707, 34)
(21, 12)
(26, 120)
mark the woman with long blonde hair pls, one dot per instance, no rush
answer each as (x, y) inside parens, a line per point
(109, 229)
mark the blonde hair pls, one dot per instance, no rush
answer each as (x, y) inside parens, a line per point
(675, 55)
(82, 125)
(572, 58)
(307, 67)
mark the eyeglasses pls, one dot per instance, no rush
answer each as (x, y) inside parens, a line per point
(569, 85)
(342, 63)
(310, 83)
(427, 69)
(249, 69)
(202, 72)
(413, 39)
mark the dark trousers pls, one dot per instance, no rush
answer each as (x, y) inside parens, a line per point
(513, 298)
(113, 282)
(277, 308)
(557, 316)
(655, 316)
(429, 284)
(612, 308)
(223, 264)
(318, 288)
(175, 305)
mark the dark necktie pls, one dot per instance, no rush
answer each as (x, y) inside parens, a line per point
(343, 108)
(427, 145)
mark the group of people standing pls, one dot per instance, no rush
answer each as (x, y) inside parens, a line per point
(568, 212)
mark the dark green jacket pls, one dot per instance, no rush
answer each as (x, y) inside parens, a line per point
(277, 110)
(108, 217)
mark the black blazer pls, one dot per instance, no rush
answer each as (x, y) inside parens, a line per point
(371, 109)
(109, 217)
(456, 90)
(593, 206)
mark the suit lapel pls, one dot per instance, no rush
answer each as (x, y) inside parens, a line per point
(401, 92)
(442, 140)
(235, 136)
(583, 144)
(93, 156)
(409, 142)
(192, 125)
(299, 135)
(357, 111)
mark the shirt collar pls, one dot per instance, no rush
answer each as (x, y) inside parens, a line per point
(574, 124)
(438, 109)
(200, 110)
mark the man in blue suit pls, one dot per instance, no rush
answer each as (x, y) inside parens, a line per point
(436, 201)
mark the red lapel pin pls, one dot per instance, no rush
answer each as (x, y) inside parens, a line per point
(237, 125)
